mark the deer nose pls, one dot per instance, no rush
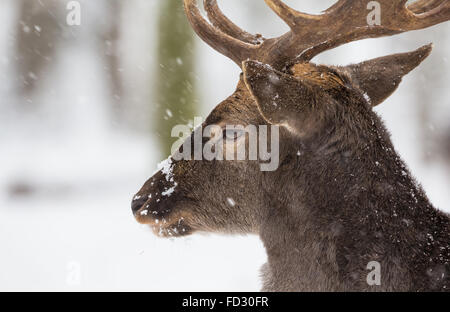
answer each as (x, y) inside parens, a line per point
(138, 202)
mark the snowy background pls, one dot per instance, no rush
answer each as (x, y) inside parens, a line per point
(75, 145)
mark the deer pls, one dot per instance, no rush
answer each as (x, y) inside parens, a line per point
(341, 197)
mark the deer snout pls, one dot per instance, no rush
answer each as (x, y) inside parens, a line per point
(137, 203)
(156, 200)
(158, 205)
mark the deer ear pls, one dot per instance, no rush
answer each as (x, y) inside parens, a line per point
(281, 98)
(380, 77)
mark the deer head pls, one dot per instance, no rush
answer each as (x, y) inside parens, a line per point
(319, 111)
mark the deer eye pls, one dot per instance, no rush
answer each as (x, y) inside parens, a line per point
(232, 134)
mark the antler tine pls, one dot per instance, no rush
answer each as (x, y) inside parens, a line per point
(345, 22)
(291, 17)
(423, 6)
(432, 17)
(418, 15)
(219, 20)
(231, 47)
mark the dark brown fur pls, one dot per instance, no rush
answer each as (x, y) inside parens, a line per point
(341, 198)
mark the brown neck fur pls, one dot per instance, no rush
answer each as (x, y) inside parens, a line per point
(349, 200)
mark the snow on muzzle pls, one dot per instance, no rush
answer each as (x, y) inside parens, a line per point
(156, 203)
(156, 199)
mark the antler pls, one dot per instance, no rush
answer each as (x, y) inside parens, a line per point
(219, 20)
(310, 35)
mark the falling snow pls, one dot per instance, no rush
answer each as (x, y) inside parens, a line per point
(231, 202)
(367, 97)
(83, 169)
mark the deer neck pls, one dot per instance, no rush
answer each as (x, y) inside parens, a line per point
(354, 204)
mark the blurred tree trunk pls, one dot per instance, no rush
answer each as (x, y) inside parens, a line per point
(108, 40)
(42, 29)
(38, 35)
(176, 98)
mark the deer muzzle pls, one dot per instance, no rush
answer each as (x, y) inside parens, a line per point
(157, 205)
